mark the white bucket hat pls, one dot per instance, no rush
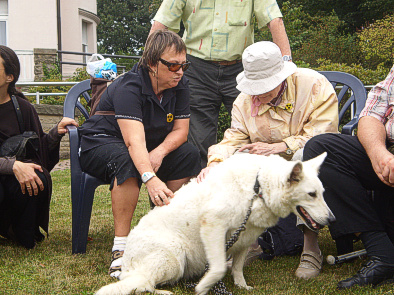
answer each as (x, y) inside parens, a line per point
(264, 68)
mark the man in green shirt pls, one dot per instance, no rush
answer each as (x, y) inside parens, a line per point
(216, 34)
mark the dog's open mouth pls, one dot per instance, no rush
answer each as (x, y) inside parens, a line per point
(308, 219)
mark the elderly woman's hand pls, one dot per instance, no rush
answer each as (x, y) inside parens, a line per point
(265, 149)
(158, 192)
(204, 172)
(61, 127)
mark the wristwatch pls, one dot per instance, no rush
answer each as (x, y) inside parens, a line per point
(146, 176)
(289, 151)
(287, 58)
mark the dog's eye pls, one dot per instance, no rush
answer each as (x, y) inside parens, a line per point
(313, 195)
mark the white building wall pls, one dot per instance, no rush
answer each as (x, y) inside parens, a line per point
(74, 12)
(33, 24)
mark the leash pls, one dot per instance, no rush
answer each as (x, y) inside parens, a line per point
(220, 288)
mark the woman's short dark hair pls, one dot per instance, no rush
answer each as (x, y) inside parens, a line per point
(11, 67)
(157, 43)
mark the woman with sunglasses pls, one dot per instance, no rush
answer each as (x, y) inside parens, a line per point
(139, 134)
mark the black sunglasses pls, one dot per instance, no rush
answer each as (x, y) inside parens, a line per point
(174, 67)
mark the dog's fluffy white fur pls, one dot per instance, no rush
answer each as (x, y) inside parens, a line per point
(176, 241)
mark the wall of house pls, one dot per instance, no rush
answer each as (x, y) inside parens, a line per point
(32, 24)
(74, 12)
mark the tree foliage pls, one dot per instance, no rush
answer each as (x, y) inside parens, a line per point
(367, 76)
(124, 25)
(315, 37)
(326, 40)
(353, 13)
(377, 41)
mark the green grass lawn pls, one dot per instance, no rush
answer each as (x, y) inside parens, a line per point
(51, 269)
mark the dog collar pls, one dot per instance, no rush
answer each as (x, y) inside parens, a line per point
(257, 187)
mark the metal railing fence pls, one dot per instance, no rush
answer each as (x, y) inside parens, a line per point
(38, 94)
(62, 52)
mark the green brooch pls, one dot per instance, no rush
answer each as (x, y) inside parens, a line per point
(289, 106)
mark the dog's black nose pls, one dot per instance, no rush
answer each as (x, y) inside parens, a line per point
(331, 218)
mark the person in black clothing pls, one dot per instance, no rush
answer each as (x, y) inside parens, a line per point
(139, 133)
(355, 165)
(25, 186)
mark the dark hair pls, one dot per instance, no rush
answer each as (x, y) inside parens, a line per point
(157, 43)
(11, 67)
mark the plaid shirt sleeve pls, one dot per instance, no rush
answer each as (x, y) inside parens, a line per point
(380, 99)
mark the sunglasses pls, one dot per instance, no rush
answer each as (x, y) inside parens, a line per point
(174, 67)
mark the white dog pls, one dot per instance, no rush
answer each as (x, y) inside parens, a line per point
(176, 241)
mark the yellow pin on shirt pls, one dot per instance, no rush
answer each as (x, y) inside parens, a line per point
(289, 106)
(170, 117)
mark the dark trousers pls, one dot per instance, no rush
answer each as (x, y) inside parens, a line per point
(347, 176)
(19, 212)
(210, 86)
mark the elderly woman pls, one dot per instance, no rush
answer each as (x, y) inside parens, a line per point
(25, 183)
(140, 133)
(279, 109)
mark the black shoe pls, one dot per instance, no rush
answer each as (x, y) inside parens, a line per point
(374, 272)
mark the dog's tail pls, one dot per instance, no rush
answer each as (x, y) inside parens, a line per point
(136, 283)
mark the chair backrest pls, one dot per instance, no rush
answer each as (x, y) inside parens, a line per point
(352, 86)
(72, 102)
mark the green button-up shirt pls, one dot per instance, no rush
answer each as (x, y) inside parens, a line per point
(217, 29)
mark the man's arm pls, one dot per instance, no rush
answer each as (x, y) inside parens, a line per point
(372, 135)
(157, 26)
(279, 36)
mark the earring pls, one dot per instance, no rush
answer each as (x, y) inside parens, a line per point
(153, 73)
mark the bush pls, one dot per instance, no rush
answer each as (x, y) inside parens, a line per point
(223, 123)
(52, 73)
(367, 76)
(377, 42)
(325, 40)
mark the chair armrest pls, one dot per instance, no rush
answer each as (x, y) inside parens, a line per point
(350, 126)
(74, 148)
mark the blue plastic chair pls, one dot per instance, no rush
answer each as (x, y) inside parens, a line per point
(358, 96)
(83, 185)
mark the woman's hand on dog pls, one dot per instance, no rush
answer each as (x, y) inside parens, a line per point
(204, 172)
(159, 192)
(265, 149)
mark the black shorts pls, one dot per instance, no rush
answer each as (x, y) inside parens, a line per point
(112, 160)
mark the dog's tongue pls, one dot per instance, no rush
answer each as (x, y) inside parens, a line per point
(313, 223)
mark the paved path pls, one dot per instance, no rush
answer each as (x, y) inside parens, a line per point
(62, 165)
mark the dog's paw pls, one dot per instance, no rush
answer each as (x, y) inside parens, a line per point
(163, 292)
(246, 287)
(201, 291)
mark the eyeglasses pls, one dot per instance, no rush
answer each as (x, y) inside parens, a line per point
(174, 67)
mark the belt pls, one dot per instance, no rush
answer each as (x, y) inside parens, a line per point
(225, 62)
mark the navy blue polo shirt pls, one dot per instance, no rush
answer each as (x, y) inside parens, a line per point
(131, 97)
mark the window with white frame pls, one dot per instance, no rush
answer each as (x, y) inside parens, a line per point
(84, 39)
(3, 21)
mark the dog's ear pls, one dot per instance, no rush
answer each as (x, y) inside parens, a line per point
(296, 174)
(317, 161)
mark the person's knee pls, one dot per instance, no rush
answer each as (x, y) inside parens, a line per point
(317, 145)
(192, 153)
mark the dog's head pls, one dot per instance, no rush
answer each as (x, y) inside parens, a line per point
(301, 193)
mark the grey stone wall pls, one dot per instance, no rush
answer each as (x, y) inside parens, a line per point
(43, 56)
(50, 115)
